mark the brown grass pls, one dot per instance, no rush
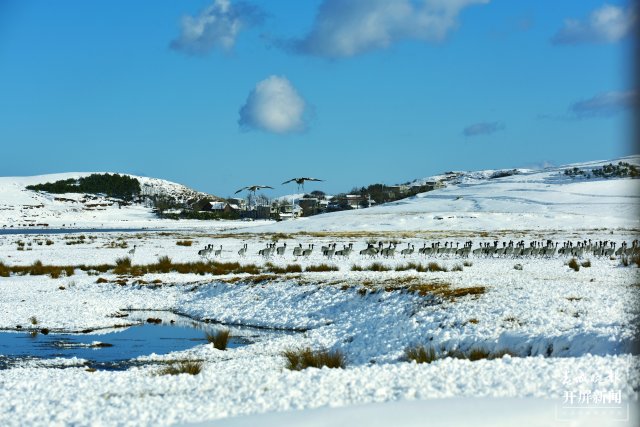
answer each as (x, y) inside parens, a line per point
(219, 339)
(321, 267)
(420, 354)
(434, 266)
(290, 268)
(573, 264)
(191, 367)
(184, 242)
(299, 359)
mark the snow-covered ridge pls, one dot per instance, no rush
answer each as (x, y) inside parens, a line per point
(21, 207)
(485, 201)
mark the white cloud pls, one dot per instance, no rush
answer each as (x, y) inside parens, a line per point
(607, 24)
(275, 106)
(217, 25)
(347, 28)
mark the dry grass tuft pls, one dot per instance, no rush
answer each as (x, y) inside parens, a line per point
(299, 359)
(184, 242)
(321, 267)
(420, 354)
(191, 367)
(123, 265)
(434, 266)
(573, 264)
(290, 268)
(219, 339)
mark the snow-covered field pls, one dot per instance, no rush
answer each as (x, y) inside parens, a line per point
(563, 332)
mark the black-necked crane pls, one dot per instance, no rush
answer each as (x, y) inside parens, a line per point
(300, 181)
(253, 188)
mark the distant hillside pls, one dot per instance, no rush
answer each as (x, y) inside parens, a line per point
(89, 198)
(590, 195)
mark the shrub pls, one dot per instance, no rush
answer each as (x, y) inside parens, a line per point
(420, 354)
(586, 263)
(33, 320)
(219, 339)
(573, 264)
(191, 367)
(467, 263)
(102, 280)
(299, 359)
(356, 267)
(321, 267)
(49, 242)
(457, 267)
(184, 242)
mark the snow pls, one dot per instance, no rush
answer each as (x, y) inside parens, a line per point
(565, 330)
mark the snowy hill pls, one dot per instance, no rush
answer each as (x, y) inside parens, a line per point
(487, 200)
(21, 207)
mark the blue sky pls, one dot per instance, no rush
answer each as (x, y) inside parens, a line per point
(222, 94)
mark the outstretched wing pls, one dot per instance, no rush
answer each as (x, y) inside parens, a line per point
(243, 188)
(291, 180)
(264, 186)
(312, 179)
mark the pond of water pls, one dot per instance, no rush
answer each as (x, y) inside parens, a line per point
(115, 349)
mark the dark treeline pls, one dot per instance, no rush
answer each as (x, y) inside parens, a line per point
(113, 185)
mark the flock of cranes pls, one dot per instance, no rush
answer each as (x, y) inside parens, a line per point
(542, 249)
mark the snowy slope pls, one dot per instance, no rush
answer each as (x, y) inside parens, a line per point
(20, 207)
(531, 199)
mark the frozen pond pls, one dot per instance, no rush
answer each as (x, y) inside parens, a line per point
(115, 349)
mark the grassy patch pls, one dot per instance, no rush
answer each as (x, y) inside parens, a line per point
(219, 339)
(321, 267)
(191, 367)
(123, 265)
(457, 267)
(420, 354)
(434, 266)
(33, 320)
(184, 242)
(290, 268)
(298, 359)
